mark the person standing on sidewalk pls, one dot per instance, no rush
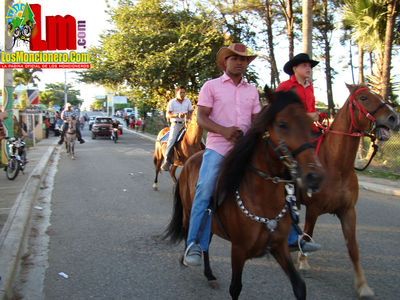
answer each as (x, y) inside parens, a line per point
(226, 108)
(46, 126)
(177, 108)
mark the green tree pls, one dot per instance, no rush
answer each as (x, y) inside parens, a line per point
(155, 47)
(372, 24)
(324, 25)
(26, 76)
(54, 95)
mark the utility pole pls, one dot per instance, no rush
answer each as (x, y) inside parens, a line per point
(65, 89)
(7, 76)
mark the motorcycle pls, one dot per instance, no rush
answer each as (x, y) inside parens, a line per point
(16, 157)
(114, 134)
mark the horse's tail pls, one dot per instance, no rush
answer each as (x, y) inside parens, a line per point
(175, 231)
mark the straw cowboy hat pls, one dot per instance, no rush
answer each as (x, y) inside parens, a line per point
(233, 49)
(298, 59)
(68, 105)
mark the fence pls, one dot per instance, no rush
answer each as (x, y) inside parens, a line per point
(387, 159)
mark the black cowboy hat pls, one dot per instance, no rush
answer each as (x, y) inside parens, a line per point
(298, 59)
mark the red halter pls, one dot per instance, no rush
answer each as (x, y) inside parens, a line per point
(361, 109)
(352, 103)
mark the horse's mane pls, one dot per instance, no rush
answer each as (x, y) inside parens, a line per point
(234, 165)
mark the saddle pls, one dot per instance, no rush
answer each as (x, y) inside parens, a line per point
(165, 137)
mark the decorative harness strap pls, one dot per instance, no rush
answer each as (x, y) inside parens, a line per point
(370, 116)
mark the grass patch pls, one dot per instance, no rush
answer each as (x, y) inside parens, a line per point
(380, 174)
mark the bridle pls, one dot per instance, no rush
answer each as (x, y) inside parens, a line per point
(361, 111)
(287, 157)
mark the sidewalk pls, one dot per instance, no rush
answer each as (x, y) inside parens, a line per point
(17, 199)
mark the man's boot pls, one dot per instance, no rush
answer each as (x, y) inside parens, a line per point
(80, 139)
(61, 139)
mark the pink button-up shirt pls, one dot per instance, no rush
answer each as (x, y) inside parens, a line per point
(231, 106)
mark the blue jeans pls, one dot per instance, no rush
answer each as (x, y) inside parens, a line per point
(204, 190)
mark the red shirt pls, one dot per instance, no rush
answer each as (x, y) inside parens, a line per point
(306, 94)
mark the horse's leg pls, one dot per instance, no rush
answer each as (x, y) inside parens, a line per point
(212, 280)
(282, 256)
(157, 165)
(348, 221)
(172, 173)
(310, 220)
(238, 258)
(73, 149)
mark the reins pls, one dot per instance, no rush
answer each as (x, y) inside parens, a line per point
(361, 110)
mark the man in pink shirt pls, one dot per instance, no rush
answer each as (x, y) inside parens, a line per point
(226, 107)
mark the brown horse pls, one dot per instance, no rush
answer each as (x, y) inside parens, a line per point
(189, 145)
(363, 113)
(254, 211)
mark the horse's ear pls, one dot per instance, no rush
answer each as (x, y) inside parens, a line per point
(351, 87)
(268, 93)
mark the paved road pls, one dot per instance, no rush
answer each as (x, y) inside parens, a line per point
(97, 220)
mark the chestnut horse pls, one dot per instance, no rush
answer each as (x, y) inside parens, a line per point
(254, 214)
(70, 138)
(363, 113)
(190, 144)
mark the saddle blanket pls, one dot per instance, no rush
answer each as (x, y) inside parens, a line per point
(165, 137)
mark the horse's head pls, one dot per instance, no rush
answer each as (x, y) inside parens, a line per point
(369, 112)
(72, 125)
(288, 133)
(279, 136)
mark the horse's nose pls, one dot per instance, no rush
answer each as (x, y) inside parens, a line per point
(314, 180)
(397, 120)
(393, 121)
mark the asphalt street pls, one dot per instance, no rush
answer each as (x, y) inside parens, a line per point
(97, 220)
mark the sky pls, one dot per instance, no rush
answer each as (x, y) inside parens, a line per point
(93, 12)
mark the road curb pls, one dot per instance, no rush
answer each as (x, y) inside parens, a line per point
(13, 234)
(378, 188)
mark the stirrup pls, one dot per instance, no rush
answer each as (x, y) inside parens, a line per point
(300, 237)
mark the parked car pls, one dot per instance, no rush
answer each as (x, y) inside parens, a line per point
(91, 121)
(102, 126)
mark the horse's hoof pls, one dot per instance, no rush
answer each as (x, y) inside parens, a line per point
(155, 187)
(213, 284)
(365, 292)
(303, 262)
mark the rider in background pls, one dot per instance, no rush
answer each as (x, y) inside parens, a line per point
(226, 108)
(177, 108)
(66, 115)
(299, 69)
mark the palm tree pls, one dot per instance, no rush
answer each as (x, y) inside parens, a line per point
(371, 23)
(307, 26)
(26, 76)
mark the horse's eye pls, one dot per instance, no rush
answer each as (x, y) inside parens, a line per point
(363, 98)
(283, 125)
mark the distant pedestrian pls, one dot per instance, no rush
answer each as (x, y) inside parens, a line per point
(138, 124)
(132, 121)
(46, 126)
(143, 124)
